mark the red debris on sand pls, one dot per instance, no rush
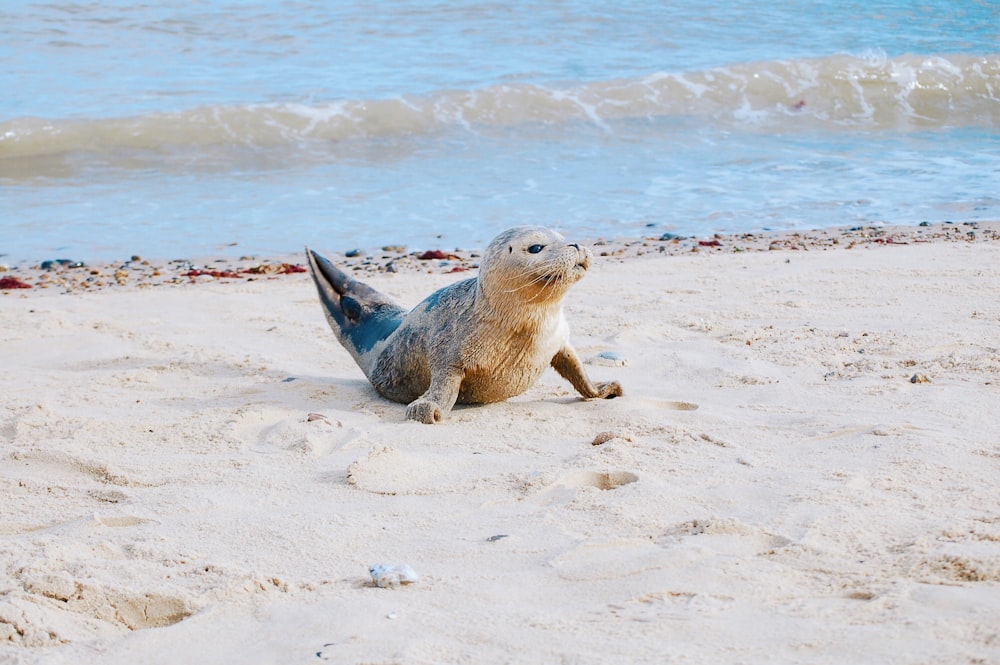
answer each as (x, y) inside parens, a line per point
(435, 254)
(889, 241)
(709, 243)
(267, 269)
(13, 283)
(458, 269)
(227, 274)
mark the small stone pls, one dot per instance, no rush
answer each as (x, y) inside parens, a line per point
(352, 253)
(919, 378)
(603, 437)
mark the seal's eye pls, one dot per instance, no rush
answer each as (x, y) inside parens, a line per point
(534, 249)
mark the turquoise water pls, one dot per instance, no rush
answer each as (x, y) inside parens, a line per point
(216, 127)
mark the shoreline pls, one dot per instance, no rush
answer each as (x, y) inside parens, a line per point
(69, 277)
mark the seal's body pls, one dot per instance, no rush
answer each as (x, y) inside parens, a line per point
(476, 341)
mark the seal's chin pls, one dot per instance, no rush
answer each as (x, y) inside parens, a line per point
(581, 267)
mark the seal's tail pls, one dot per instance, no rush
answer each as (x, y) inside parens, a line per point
(359, 315)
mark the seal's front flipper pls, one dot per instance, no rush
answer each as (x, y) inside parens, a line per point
(440, 397)
(568, 364)
(359, 315)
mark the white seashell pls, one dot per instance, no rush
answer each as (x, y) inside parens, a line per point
(385, 575)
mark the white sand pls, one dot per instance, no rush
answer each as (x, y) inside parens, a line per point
(166, 500)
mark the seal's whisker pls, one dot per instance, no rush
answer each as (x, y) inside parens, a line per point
(549, 273)
(539, 292)
(536, 280)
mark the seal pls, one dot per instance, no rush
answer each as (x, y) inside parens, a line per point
(477, 341)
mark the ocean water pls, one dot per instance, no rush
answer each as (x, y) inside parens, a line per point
(179, 129)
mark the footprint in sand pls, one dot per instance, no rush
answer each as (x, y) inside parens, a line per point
(389, 471)
(54, 607)
(644, 565)
(566, 487)
(725, 535)
(665, 404)
(271, 431)
(58, 467)
(609, 559)
(672, 604)
(602, 480)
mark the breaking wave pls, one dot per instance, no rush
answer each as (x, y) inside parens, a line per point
(834, 93)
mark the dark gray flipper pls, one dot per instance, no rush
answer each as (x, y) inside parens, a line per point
(360, 316)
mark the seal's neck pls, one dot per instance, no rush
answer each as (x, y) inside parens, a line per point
(517, 314)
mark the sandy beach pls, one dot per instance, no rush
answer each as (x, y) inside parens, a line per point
(805, 467)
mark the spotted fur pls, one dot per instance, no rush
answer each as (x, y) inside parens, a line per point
(480, 340)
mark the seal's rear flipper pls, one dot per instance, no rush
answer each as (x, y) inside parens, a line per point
(358, 314)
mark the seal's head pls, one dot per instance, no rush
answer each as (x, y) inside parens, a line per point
(531, 264)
